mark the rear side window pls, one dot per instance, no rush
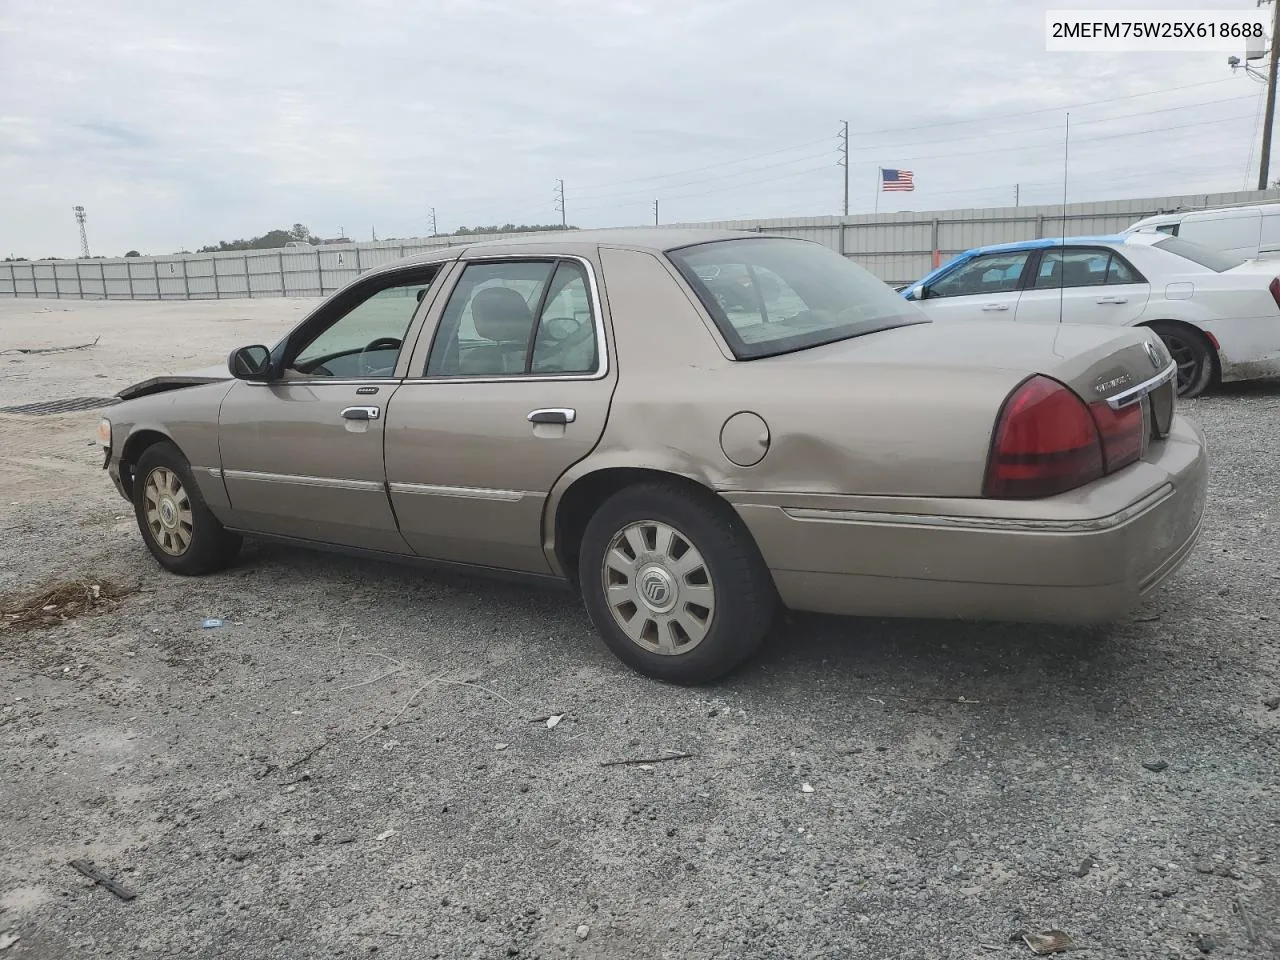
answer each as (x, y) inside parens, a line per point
(1083, 268)
(516, 318)
(1214, 260)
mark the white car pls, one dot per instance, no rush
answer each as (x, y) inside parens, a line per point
(1251, 231)
(1218, 314)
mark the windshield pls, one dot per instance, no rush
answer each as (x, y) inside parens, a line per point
(1214, 260)
(774, 295)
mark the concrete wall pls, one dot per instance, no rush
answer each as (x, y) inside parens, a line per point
(897, 247)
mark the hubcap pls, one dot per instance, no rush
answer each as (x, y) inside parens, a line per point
(658, 587)
(168, 511)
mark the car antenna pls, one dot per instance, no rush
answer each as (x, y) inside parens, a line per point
(1062, 251)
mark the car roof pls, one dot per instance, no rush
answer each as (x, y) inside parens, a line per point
(1114, 238)
(583, 242)
(1017, 245)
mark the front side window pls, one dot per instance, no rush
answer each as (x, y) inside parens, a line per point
(365, 339)
(981, 276)
(522, 317)
(771, 295)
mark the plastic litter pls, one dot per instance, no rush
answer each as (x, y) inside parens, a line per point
(211, 622)
(1050, 941)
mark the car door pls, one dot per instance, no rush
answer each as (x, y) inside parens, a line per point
(511, 386)
(983, 288)
(302, 454)
(1079, 284)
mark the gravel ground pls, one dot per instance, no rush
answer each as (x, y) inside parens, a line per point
(350, 766)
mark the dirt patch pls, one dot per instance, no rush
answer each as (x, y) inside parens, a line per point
(60, 601)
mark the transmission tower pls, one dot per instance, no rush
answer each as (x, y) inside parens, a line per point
(84, 237)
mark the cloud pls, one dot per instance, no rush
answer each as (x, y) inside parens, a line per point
(177, 126)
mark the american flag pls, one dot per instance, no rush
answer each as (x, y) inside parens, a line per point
(896, 180)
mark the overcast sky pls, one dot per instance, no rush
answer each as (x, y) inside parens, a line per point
(177, 125)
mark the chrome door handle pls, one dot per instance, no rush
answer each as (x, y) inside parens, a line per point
(360, 413)
(560, 415)
(1114, 300)
(995, 306)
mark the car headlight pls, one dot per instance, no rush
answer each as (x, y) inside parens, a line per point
(104, 432)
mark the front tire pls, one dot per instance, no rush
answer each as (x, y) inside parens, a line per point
(1193, 355)
(176, 525)
(676, 588)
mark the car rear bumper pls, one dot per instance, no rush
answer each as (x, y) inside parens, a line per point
(1248, 347)
(1087, 556)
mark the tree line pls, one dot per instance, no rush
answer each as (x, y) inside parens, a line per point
(299, 233)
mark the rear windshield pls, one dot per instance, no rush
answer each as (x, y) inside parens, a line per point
(774, 295)
(1214, 260)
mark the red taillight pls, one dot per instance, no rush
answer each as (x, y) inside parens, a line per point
(1046, 442)
(1274, 287)
(1121, 432)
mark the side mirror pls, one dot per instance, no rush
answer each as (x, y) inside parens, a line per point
(421, 293)
(250, 363)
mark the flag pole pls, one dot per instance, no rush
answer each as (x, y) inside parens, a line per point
(879, 172)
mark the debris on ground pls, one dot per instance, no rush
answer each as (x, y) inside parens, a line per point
(1050, 941)
(1272, 703)
(1156, 766)
(583, 932)
(1087, 864)
(1206, 943)
(8, 939)
(211, 623)
(102, 880)
(80, 346)
(554, 719)
(642, 762)
(806, 788)
(61, 601)
(385, 835)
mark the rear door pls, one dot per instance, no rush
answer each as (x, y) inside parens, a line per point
(1083, 285)
(510, 391)
(984, 288)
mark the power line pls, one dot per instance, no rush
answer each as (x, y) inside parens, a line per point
(1105, 136)
(889, 148)
(933, 125)
(1079, 123)
(710, 166)
(723, 176)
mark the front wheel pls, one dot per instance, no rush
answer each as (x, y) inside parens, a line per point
(179, 530)
(676, 588)
(1193, 355)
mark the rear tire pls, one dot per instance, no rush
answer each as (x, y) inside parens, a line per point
(1193, 354)
(176, 525)
(676, 588)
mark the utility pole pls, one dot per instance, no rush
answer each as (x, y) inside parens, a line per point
(1264, 167)
(655, 213)
(1017, 193)
(434, 230)
(843, 150)
(84, 237)
(374, 232)
(560, 201)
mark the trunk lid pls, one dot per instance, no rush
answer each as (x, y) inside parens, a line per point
(1097, 362)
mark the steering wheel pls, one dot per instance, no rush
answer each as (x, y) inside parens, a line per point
(382, 343)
